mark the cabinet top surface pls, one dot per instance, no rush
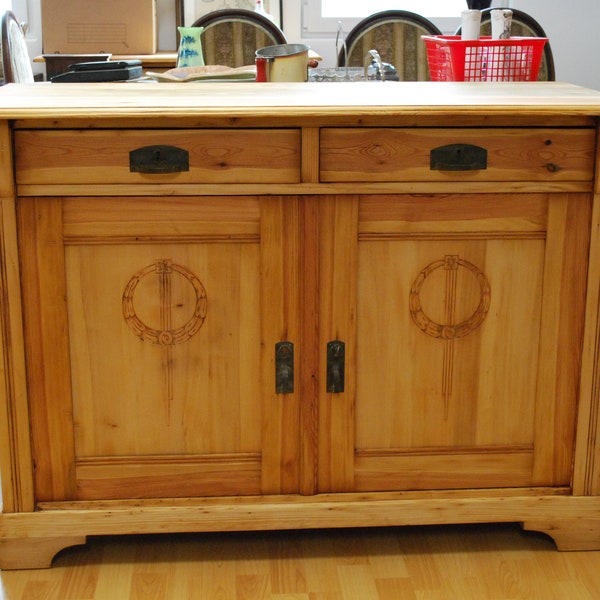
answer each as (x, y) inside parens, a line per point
(311, 104)
(307, 100)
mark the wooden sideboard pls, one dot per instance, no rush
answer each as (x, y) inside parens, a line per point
(272, 306)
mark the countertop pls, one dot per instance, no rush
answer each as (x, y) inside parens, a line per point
(317, 100)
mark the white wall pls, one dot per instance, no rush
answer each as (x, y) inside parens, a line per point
(574, 32)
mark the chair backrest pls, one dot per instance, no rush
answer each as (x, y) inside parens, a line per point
(15, 57)
(524, 25)
(396, 35)
(232, 36)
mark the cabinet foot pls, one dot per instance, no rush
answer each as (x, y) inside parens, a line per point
(569, 534)
(34, 553)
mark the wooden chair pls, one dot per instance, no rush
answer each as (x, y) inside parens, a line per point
(232, 36)
(16, 63)
(525, 25)
(396, 35)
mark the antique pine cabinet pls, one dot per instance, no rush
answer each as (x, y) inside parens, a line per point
(243, 306)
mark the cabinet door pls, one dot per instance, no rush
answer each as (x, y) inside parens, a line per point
(150, 363)
(462, 319)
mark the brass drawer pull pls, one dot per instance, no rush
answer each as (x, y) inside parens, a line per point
(159, 159)
(458, 157)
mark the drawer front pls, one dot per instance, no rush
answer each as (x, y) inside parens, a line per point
(212, 156)
(373, 155)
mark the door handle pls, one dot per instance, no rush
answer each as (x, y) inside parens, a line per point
(284, 368)
(336, 366)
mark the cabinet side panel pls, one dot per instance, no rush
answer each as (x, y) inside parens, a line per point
(586, 477)
(15, 455)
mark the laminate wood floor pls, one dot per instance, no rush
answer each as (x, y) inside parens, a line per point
(482, 562)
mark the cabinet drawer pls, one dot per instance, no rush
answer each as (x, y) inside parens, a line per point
(369, 154)
(103, 157)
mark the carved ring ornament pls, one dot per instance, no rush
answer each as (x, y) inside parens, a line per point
(165, 335)
(449, 330)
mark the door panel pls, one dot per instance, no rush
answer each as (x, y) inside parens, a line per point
(178, 311)
(162, 362)
(468, 328)
(444, 337)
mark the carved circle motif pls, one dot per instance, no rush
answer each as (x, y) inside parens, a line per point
(449, 331)
(164, 336)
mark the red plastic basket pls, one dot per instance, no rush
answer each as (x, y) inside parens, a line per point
(451, 58)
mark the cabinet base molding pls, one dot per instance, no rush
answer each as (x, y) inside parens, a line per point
(30, 540)
(569, 535)
(34, 552)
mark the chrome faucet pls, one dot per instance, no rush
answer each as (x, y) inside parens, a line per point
(373, 55)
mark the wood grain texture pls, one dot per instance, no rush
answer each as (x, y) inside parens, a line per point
(47, 347)
(145, 405)
(17, 488)
(366, 154)
(338, 247)
(505, 383)
(586, 475)
(215, 156)
(280, 298)
(57, 523)
(320, 103)
(243, 189)
(567, 248)
(309, 366)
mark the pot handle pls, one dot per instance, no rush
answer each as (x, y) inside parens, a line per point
(261, 69)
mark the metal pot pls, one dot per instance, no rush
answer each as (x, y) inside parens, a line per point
(283, 62)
